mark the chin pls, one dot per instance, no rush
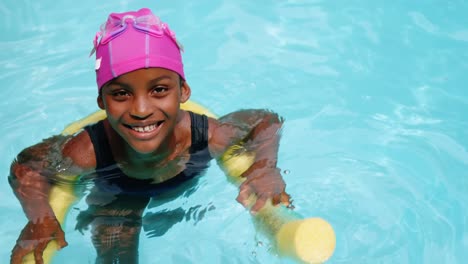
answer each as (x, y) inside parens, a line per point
(144, 149)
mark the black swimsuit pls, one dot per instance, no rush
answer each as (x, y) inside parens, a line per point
(111, 178)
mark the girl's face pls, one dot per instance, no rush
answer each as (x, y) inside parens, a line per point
(143, 107)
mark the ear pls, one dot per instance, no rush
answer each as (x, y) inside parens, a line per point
(100, 102)
(185, 92)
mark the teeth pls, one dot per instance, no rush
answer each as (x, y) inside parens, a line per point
(144, 129)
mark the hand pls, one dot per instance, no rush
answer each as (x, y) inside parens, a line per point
(266, 184)
(35, 236)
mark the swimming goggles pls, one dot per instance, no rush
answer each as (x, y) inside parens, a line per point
(149, 24)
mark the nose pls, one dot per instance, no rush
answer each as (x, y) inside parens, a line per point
(141, 108)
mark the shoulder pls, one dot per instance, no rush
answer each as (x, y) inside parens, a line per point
(80, 150)
(219, 134)
(74, 152)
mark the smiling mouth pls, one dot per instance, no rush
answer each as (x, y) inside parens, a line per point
(145, 129)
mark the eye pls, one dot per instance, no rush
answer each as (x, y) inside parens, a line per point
(120, 94)
(159, 89)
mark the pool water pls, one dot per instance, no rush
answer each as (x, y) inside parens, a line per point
(374, 94)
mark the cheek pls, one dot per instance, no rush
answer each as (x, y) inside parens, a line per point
(171, 105)
(113, 107)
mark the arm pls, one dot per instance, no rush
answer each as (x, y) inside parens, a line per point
(258, 131)
(31, 177)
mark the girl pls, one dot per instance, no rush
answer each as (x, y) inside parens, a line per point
(146, 146)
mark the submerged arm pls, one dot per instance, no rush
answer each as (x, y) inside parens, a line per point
(29, 182)
(258, 132)
(31, 177)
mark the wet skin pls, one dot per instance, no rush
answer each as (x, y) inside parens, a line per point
(150, 137)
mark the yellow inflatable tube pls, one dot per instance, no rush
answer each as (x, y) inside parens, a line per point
(309, 240)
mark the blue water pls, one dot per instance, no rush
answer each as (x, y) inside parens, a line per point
(374, 94)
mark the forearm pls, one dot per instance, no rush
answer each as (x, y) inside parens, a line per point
(252, 138)
(32, 190)
(263, 142)
(264, 139)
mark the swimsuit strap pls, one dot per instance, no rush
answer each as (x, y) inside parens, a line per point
(199, 127)
(102, 149)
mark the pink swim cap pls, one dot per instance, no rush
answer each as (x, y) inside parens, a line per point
(134, 40)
